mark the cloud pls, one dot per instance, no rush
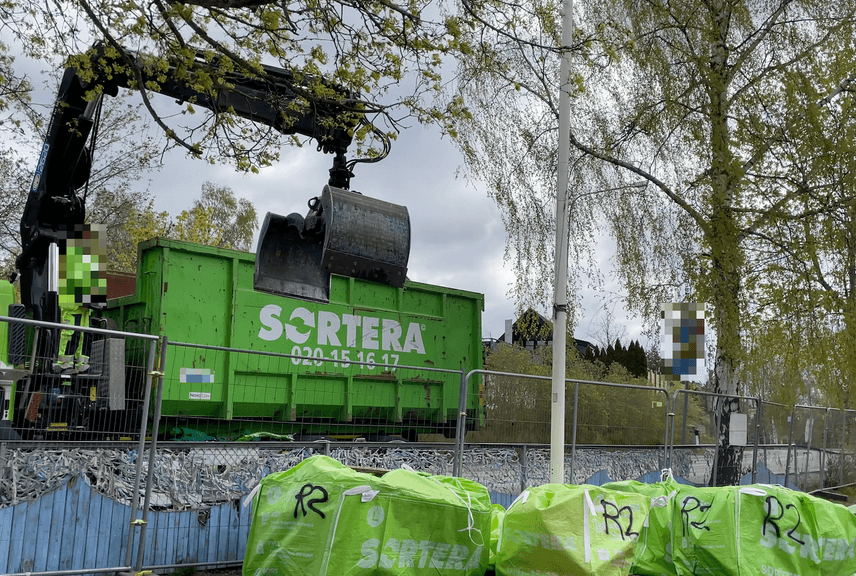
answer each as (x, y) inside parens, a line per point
(457, 236)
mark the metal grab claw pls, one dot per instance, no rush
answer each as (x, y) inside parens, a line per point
(344, 233)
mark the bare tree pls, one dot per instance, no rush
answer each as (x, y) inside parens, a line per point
(606, 329)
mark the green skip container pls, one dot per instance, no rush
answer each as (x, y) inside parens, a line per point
(375, 361)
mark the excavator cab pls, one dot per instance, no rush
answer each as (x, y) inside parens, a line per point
(344, 233)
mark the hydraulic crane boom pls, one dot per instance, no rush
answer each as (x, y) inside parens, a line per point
(53, 204)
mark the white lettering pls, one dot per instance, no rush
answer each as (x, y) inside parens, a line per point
(369, 552)
(328, 325)
(413, 340)
(391, 335)
(269, 317)
(425, 548)
(273, 494)
(768, 539)
(772, 571)
(408, 549)
(351, 322)
(829, 548)
(292, 333)
(786, 546)
(370, 333)
(439, 555)
(441, 551)
(809, 549)
(841, 549)
(456, 558)
(475, 559)
(385, 561)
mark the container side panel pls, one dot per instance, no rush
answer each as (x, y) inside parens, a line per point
(203, 295)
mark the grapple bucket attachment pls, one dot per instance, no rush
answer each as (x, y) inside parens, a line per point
(288, 263)
(344, 233)
(365, 237)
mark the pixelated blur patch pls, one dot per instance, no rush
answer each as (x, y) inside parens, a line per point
(683, 331)
(83, 264)
(196, 376)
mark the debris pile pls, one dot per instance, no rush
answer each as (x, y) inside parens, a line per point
(181, 479)
(199, 476)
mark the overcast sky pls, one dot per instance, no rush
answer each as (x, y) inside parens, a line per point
(457, 235)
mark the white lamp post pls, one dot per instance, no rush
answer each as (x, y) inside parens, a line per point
(560, 307)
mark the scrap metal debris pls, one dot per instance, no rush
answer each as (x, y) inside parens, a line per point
(185, 479)
(181, 479)
(201, 476)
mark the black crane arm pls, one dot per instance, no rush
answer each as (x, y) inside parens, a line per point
(273, 99)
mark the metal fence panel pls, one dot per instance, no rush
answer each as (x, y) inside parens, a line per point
(518, 409)
(226, 394)
(76, 500)
(701, 412)
(807, 446)
(101, 399)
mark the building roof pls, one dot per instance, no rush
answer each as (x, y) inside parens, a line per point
(532, 329)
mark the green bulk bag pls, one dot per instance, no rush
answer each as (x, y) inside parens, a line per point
(568, 529)
(703, 532)
(782, 533)
(497, 513)
(322, 518)
(653, 555)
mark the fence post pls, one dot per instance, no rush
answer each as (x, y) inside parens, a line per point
(684, 417)
(766, 442)
(666, 462)
(141, 446)
(716, 449)
(670, 428)
(757, 434)
(843, 443)
(790, 442)
(825, 442)
(854, 453)
(152, 452)
(461, 426)
(524, 471)
(574, 429)
(808, 452)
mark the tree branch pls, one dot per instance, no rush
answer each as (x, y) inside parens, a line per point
(694, 214)
(139, 78)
